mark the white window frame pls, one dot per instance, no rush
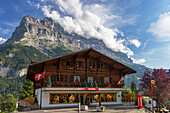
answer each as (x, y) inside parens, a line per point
(75, 77)
(106, 79)
(90, 78)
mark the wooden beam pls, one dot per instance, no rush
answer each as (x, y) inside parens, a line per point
(74, 63)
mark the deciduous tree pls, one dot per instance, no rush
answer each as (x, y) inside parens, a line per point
(161, 87)
(9, 103)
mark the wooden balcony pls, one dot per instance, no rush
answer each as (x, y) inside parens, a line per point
(62, 84)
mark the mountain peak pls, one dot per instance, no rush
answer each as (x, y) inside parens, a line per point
(46, 34)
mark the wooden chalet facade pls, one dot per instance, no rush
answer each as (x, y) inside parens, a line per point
(78, 73)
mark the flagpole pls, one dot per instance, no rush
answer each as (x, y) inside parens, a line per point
(41, 90)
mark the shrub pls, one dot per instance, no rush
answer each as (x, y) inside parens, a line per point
(102, 108)
(9, 103)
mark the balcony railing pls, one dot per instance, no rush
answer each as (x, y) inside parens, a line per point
(101, 85)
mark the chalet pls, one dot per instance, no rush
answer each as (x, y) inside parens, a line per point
(85, 74)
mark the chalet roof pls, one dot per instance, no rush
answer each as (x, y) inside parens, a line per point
(38, 67)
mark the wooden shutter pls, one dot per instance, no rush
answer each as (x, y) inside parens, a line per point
(71, 78)
(65, 78)
(102, 80)
(95, 79)
(110, 79)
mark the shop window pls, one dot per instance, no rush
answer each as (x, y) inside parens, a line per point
(90, 78)
(79, 64)
(108, 97)
(106, 79)
(59, 78)
(63, 98)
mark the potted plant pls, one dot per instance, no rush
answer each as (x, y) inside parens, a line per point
(48, 82)
(100, 107)
(90, 84)
(84, 107)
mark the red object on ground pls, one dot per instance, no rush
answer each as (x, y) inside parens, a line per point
(91, 88)
(140, 102)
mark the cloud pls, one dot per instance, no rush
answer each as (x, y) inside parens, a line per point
(135, 42)
(161, 28)
(87, 20)
(139, 61)
(2, 40)
(145, 43)
(4, 31)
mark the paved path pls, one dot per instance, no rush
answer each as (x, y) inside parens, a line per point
(109, 109)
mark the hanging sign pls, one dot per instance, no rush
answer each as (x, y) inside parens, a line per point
(140, 102)
(91, 88)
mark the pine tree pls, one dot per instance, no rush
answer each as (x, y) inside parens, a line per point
(95, 84)
(133, 87)
(90, 84)
(48, 82)
(85, 84)
(27, 90)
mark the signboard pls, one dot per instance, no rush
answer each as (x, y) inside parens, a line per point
(140, 102)
(91, 88)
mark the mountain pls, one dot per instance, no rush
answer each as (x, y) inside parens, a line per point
(2, 40)
(44, 39)
(46, 34)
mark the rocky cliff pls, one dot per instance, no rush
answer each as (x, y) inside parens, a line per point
(46, 34)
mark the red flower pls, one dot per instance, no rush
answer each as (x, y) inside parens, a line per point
(78, 82)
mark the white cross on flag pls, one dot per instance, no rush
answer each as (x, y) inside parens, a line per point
(38, 76)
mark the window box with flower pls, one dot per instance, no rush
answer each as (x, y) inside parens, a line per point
(60, 83)
(77, 83)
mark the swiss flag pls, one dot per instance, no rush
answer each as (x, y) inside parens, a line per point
(39, 76)
(120, 81)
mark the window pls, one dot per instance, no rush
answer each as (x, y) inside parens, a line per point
(106, 79)
(79, 64)
(90, 78)
(76, 78)
(69, 64)
(100, 66)
(92, 65)
(59, 78)
(63, 98)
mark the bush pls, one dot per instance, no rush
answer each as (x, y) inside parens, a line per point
(9, 103)
(102, 108)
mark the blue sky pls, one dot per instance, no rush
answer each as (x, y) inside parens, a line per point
(139, 28)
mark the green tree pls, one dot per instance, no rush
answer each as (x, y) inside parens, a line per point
(9, 103)
(27, 90)
(49, 82)
(1, 98)
(85, 84)
(133, 87)
(90, 84)
(95, 84)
